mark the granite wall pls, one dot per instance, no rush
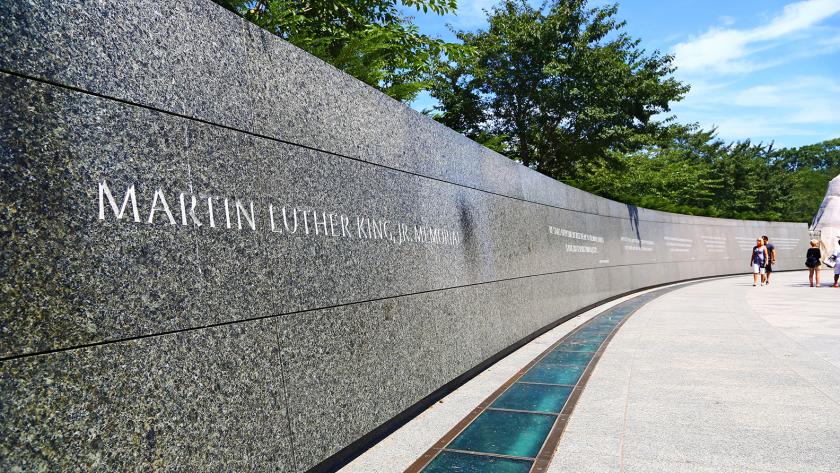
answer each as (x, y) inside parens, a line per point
(220, 253)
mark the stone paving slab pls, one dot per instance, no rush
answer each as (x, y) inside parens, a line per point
(717, 376)
(400, 449)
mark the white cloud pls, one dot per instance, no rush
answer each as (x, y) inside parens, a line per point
(763, 82)
(803, 106)
(733, 51)
(801, 90)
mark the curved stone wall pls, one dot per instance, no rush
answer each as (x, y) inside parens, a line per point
(220, 253)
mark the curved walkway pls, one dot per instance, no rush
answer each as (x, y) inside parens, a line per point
(712, 376)
(717, 376)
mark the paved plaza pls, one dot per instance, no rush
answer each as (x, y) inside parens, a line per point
(717, 376)
(714, 376)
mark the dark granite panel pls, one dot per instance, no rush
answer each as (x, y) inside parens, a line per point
(105, 279)
(191, 58)
(111, 278)
(350, 369)
(67, 277)
(211, 65)
(207, 400)
(212, 399)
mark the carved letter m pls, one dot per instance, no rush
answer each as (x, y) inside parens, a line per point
(130, 196)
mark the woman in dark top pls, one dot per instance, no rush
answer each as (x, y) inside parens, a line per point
(758, 259)
(812, 261)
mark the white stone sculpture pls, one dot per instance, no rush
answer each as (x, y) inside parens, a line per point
(827, 220)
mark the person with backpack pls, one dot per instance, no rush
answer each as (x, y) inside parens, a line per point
(812, 262)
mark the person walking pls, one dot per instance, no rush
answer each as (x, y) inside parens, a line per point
(835, 256)
(758, 259)
(812, 261)
(771, 259)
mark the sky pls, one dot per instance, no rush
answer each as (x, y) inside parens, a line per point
(766, 70)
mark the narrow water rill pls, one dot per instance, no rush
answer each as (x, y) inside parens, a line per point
(517, 428)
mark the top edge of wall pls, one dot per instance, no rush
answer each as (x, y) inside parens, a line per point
(201, 61)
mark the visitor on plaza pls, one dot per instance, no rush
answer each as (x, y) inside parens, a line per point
(771, 258)
(758, 260)
(812, 261)
(835, 258)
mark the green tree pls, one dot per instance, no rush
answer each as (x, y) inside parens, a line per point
(369, 39)
(672, 172)
(809, 168)
(688, 170)
(561, 84)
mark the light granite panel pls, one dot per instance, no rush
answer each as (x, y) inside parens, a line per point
(204, 400)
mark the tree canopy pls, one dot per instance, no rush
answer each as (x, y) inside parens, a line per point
(556, 85)
(563, 89)
(693, 172)
(369, 39)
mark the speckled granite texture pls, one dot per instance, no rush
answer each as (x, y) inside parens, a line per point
(149, 342)
(205, 400)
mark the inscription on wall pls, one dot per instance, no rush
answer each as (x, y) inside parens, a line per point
(579, 236)
(678, 245)
(233, 214)
(637, 244)
(714, 244)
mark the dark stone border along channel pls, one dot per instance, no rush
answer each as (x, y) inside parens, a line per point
(517, 428)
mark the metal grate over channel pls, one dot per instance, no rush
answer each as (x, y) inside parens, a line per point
(518, 427)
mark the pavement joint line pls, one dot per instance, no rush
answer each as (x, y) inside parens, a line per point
(780, 333)
(608, 317)
(523, 411)
(646, 321)
(487, 454)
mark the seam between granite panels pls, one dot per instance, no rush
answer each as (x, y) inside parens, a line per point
(286, 402)
(553, 436)
(361, 160)
(549, 448)
(335, 306)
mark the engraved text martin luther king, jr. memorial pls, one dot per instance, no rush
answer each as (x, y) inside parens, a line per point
(221, 254)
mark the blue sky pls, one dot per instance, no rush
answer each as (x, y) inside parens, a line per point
(765, 70)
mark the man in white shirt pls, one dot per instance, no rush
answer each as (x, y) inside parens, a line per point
(836, 257)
